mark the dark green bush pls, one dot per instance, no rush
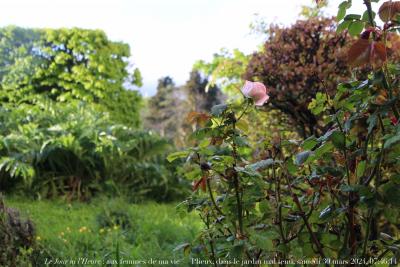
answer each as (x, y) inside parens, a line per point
(16, 237)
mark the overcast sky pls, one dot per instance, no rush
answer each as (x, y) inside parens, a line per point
(166, 36)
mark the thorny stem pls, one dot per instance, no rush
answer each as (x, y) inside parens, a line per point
(370, 215)
(370, 13)
(350, 214)
(212, 197)
(304, 217)
(244, 111)
(214, 259)
(237, 182)
(279, 205)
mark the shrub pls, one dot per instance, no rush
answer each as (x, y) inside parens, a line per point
(298, 61)
(16, 237)
(66, 65)
(75, 151)
(328, 197)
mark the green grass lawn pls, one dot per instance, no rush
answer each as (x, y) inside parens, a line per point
(107, 230)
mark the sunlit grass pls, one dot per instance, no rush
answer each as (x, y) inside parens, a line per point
(75, 230)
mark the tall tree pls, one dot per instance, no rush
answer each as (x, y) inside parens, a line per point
(65, 64)
(166, 110)
(201, 96)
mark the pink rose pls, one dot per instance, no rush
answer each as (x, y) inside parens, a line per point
(256, 91)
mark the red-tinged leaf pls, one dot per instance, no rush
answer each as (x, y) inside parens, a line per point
(202, 182)
(367, 52)
(195, 185)
(359, 53)
(389, 10)
(217, 141)
(378, 54)
(197, 117)
(394, 120)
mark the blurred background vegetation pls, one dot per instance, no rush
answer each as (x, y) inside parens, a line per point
(75, 133)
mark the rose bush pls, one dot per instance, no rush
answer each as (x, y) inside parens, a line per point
(331, 197)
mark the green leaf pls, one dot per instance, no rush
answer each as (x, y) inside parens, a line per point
(319, 152)
(372, 120)
(263, 241)
(338, 139)
(343, 26)
(391, 141)
(292, 168)
(309, 143)
(360, 168)
(308, 250)
(390, 193)
(318, 104)
(356, 28)
(176, 155)
(236, 252)
(240, 141)
(396, 179)
(217, 110)
(352, 17)
(365, 16)
(205, 143)
(342, 10)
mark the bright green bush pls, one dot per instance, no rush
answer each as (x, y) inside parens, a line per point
(66, 65)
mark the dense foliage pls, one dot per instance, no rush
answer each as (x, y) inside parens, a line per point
(69, 119)
(331, 198)
(75, 150)
(67, 64)
(296, 63)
